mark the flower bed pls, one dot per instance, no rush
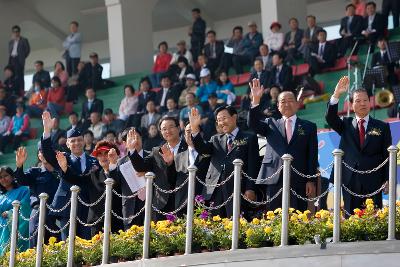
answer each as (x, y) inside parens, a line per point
(212, 233)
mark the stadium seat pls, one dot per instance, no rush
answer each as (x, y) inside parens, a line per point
(243, 79)
(156, 89)
(300, 70)
(68, 108)
(340, 64)
(234, 78)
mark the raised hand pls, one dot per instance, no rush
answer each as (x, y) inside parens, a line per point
(62, 161)
(341, 87)
(132, 140)
(167, 154)
(48, 122)
(21, 157)
(194, 120)
(257, 91)
(113, 156)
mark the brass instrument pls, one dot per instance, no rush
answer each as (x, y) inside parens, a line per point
(384, 98)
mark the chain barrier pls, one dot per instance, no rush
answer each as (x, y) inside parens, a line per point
(91, 224)
(215, 185)
(30, 218)
(172, 190)
(5, 225)
(366, 195)
(57, 231)
(367, 171)
(324, 171)
(125, 197)
(171, 212)
(312, 199)
(128, 218)
(4, 246)
(94, 203)
(269, 200)
(59, 210)
(264, 179)
(216, 207)
(30, 237)
(308, 176)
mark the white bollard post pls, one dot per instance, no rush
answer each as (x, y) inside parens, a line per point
(287, 161)
(40, 235)
(190, 207)
(337, 154)
(237, 176)
(14, 232)
(72, 225)
(392, 192)
(148, 211)
(107, 220)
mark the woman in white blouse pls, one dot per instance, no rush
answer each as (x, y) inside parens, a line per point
(129, 103)
(276, 38)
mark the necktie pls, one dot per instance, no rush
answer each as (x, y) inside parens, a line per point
(90, 105)
(77, 165)
(288, 128)
(321, 50)
(230, 142)
(361, 131)
(348, 24)
(278, 72)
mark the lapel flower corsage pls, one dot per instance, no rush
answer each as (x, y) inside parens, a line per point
(301, 131)
(375, 132)
(240, 142)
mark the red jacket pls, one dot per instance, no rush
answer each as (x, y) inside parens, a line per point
(162, 62)
(56, 96)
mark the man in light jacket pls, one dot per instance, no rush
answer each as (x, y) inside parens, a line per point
(72, 46)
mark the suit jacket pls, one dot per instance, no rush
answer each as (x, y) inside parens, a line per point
(264, 77)
(63, 193)
(23, 50)
(171, 93)
(130, 206)
(303, 147)
(378, 24)
(285, 77)
(145, 120)
(219, 50)
(150, 95)
(371, 154)
(297, 38)
(356, 25)
(97, 106)
(329, 54)
(91, 76)
(245, 147)
(43, 77)
(314, 36)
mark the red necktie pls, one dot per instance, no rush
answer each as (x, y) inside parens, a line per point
(361, 131)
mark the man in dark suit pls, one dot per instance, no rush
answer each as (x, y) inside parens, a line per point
(383, 58)
(56, 132)
(309, 37)
(292, 41)
(259, 73)
(197, 33)
(281, 74)
(166, 92)
(18, 51)
(373, 25)
(323, 54)
(81, 163)
(288, 135)
(364, 141)
(394, 7)
(223, 149)
(92, 104)
(161, 161)
(41, 75)
(92, 72)
(214, 49)
(145, 94)
(74, 122)
(350, 27)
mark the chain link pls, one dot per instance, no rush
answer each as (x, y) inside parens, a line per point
(215, 185)
(94, 203)
(367, 171)
(269, 200)
(5, 245)
(308, 176)
(57, 231)
(59, 210)
(5, 225)
(30, 237)
(30, 218)
(313, 199)
(125, 197)
(264, 179)
(91, 224)
(128, 218)
(172, 190)
(171, 212)
(366, 195)
(324, 171)
(217, 207)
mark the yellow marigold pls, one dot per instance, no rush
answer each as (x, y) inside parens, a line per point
(398, 203)
(307, 212)
(303, 217)
(229, 225)
(370, 207)
(255, 221)
(356, 211)
(291, 209)
(267, 230)
(278, 210)
(298, 212)
(294, 217)
(329, 224)
(52, 240)
(270, 214)
(243, 222)
(152, 224)
(369, 201)
(216, 218)
(249, 232)
(325, 214)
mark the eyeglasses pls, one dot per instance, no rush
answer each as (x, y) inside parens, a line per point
(165, 129)
(5, 176)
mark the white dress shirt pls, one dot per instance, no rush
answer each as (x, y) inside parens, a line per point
(192, 155)
(14, 51)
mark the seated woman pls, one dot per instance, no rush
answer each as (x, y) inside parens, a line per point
(17, 130)
(179, 71)
(161, 64)
(11, 82)
(153, 138)
(59, 71)
(225, 90)
(276, 38)
(56, 97)
(37, 101)
(190, 88)
(10, 191)
(129, 104)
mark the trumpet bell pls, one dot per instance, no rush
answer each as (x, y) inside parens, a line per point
(384, 98)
